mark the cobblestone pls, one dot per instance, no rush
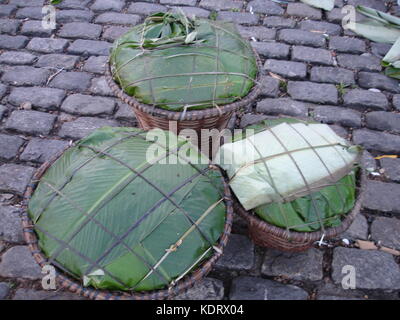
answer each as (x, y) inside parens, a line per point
(363, 62)
(91, 47)
(9, 146)
(323, 27)
(299, 266)
(88, 105)
(287, 69)
(4, 290)
(15, 177)
(25, 76)
(207, 289)
(65, 16)
(374, 269)
(30, 13)
(365, 99)
(339, 115)
(279, 22)
(392, 168)
(381, 120)
(192, 11)
(238, 17)
(382, 196)
(95, 64)
(304, 11)
(47, 98)
(17, 262)
(35, 28)
(269, 87)
(12, 42)
(251, 288)
(9, 26)
(41, 150)
(283, 106)
(301, 37)
(81, 30)
(15, 57)
(10, 227)
(378, 81)
(385, 231)
(312, 55)
(57, 61)
(83, 126)
(347, 44)
(145, 8)
(7, 10)
(31, 122)
(108, 5)
(118, 18)
(71, 80)
(272, 49)
(221, 5)
(111, 33)
(260, 33)
(357, 230)
(30, 294)
(332, 75)
(47, 45)
(238, 254)
(313, 92)
(266, 7)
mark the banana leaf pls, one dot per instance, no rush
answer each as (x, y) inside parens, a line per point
(177, 63)
(119, 204)
(323, 4)
(309, 213)
(285, 161)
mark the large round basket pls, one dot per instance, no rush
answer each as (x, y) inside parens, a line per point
(266, 235)
(150, 117)
(65, 281)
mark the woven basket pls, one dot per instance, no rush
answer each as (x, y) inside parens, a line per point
(150, 117)
(74, 286)
(266, 235)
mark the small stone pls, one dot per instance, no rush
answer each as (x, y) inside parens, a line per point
(96, 64)
(47, 45)
(267, 7)
(23, 3)
(57, 61)
(260, 33)
(15, 177)
(108, 5)
(238, 254)
(9, 26)
(386, 231)
(272, 49)
(34, 13)
(312, 55)
(365, 99)
(357, 230)
(249, 119)
(380, 49)
(238, 17)
(313, 92)
(83, 126)
(41, 150)
(287, 69)
(251, 288)
(392, 168)
(298, 266)
(381, 120)
(221, 4)
(35, 28)
(339, 115)
(92, 47)
(46, 98)
(192, 12)
(347, 44)
(31, 122)
(269, 86)
(381, 196)
(206, 289)
(332, 75)
(380, 141)
(179, 2)
(65, 16)
(321, 27)
(301, 37)
(4, 290)
(73, 4)
(12, 42)
(303, 10)
(30, 294)
(363, 62)
(279, 22)
(80, 30)
(374, 269)
(26, 76)
(71, 80)
(282, 106)
(14, 57)
(100, 87)
(7, 10)
(378, 81)
(118, 18)
(111, 33)
(88, 105)
(146, 8)
(10, 227)
(9, 146)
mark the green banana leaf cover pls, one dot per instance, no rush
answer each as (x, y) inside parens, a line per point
(177, 63)
(120, 210)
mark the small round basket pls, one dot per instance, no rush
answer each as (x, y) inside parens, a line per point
(66, 281)
(266, 235)
(150, 117)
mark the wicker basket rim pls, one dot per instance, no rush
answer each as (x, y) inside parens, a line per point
(74, 286)
(188, 115)
(297, 236)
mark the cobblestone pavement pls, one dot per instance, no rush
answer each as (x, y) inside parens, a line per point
(53, 91)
